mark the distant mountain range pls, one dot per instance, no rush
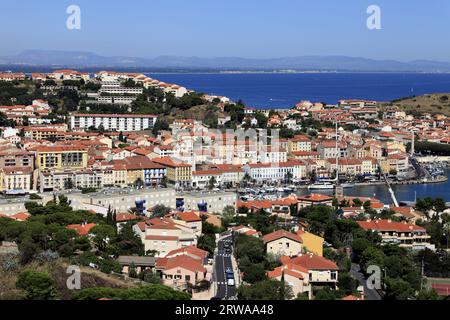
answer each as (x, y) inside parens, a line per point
(52, 58)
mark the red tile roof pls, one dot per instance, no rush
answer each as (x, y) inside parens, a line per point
(81, 229)
(389, 225)
(183, 261)
(314, 262)
(281, 234)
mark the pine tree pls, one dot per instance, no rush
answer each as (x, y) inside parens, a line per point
(109, 215)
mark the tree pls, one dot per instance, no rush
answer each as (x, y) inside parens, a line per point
(228, 213)
(164, 181)
(207, 242)
(288, 177)
(138, 183)
(37, 285)
(265, 290)
(325, 294)
(255, 273)
(103, 234)
(148, 292)
(68, 184)
(398, 289)
(393, 172)
(132, 272)
(160, 211)
(428, 295)
(211, 183)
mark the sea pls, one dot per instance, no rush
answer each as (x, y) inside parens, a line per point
(284, 90)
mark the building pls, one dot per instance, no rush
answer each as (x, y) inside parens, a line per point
(311, 242)
(122, 200)
(295, 276)
(61, 157)
(16, 179)
(281, 243)
(314, 199)
(178, 173)
(180, 271)
(163, 235)
(112, 122)
(404, 234)
(322, 272)
(212, 202)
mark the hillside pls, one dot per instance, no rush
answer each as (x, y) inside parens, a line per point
(57, 270)
(431, 103)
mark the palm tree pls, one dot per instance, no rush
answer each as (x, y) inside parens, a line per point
(288, 177)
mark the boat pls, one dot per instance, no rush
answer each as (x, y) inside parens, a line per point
(321, 186)
(280, 190)
(347, 185)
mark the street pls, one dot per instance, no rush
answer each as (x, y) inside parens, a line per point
(222, 261)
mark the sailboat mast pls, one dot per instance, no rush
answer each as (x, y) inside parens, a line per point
(337, 154)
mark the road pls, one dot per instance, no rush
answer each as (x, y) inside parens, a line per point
(369, 294)
(222, 261)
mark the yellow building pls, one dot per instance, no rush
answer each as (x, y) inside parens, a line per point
(311, 242)
(178, 173)
(61, 157)
(16, 179)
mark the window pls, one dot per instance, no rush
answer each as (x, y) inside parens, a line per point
(333, 275)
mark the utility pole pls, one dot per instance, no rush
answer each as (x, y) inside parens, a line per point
(421, 277)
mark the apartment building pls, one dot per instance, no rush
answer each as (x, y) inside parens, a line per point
(51, 180)
(299, 143)
(14, 157)
(16, 179)
(404, 234)
(213, 202)
(60, 157)
(113, 122)
(275, 172)
(124, 199)
(178, 173)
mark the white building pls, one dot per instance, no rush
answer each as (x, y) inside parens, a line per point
(113, 122)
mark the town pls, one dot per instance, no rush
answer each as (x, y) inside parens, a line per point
(200, 197)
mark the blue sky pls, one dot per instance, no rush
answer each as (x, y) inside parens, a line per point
(413, 29)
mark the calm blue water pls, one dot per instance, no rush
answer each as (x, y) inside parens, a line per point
(402, 192)
(285, 90)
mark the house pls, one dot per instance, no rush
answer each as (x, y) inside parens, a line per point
(314, 199)
(191, 251)
(180, 271)
(246, 230)
(191, 219)
(322, 272)
(404, 234)
(282, 242)
(140, 263)
(163, 235)
(295, 276)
